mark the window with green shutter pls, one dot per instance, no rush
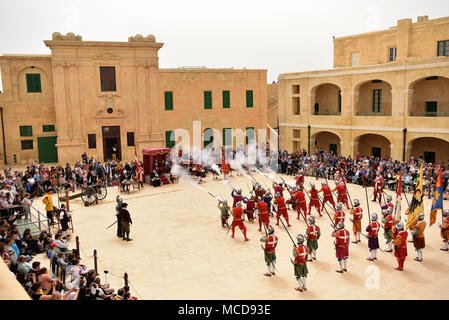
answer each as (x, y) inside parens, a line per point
(27, 144)
(168, 97)
(168, 142)
(250, 135)
(33, 82)
(48, 128)
(226, 99)
(249, 99)
(26, 131)
(227, 137)
(207, 99)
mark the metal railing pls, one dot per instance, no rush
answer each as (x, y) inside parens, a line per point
(25, 218)
(373, 114)
(429, 114)
(327, 113)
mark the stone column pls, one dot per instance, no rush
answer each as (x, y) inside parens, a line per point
(153, 90)
(60, 103)
(142, 103)
(75, 104)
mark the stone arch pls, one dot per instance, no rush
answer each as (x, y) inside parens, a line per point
(429, 97)
(432, 149)
(372, 144)
(326, 99)
(21, 80)
(327, 141)
(373, 97)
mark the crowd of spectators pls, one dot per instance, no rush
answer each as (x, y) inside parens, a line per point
(323, 164)
(18, 190)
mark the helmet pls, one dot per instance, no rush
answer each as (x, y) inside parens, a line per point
(339, 206)
(277, 195)
(295, 189)
(374, 217)
(340, 225)
(389, 211)
(421, 216)
(119, 199)
(239, 191)
(400, 226)
(238, 204)
(312, 185)
(446, 213)
(323, 183)
(300, 239)
(225, 202)
(356, 202)
(389, 198)
(270, 230)
(311, 219)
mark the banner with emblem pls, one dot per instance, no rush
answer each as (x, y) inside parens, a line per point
(437, 203)
(416, 205)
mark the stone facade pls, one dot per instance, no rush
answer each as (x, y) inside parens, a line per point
(72, 99)
(397, 108)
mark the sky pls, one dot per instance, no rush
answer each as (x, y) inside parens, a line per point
(278, 35)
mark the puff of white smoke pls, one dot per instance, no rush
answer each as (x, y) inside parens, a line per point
(184, 175)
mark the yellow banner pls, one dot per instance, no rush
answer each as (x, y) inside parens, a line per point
(416, 206)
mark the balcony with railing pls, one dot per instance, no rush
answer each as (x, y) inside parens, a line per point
(327, 113)
(373, 114)
(429, 114)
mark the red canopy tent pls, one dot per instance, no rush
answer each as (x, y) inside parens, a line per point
(152, 154)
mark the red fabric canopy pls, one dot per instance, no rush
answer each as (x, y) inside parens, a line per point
(151, 154)
(155, 151)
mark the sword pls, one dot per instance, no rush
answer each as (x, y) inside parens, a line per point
(111, 225)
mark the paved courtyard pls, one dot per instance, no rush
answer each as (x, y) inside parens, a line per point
(180, 250)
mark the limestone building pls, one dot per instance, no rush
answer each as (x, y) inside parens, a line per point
(387, 95)
(95, 96)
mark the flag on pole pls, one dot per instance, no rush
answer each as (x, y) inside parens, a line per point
(397, 216)
(137, 164)
(437, 202)
(416, 205)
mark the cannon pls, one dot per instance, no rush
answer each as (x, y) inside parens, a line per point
(90, 194)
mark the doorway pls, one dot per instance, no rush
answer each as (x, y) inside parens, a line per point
(429, 157)
(46, 148)
(111, 143)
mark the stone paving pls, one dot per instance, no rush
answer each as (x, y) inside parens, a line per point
(181, 251)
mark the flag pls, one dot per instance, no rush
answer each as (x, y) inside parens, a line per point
(416, 205)
(437, 202)
(137, 163)
(397, 216)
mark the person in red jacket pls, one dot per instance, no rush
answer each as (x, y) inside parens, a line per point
(300, 253)
(342, 196)
(300, 180)
(400, 245)
(271, 242)
(314, 200)
(250, 205)
(237, 196)
(357, 212)
(279, 201)
(388, 222)
(301, 204)
(373, 237)
(341, 236)
(278, 188)
(378, 187)
(313, 233)
(339, 214)
(261, 206)
(237, 213)
(327, 195)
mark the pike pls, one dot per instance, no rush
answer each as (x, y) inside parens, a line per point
(111, 225)
(215, 197)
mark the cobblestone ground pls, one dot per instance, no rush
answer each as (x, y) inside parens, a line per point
(181, 251)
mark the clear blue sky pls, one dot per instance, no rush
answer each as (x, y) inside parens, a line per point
(277, 35)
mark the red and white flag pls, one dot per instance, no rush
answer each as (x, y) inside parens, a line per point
(397, 215)
(137, 164)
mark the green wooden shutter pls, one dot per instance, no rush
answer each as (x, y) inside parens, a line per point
(226, 99)
(48, 128)
(227, 137)
(168, 142)
(33, 81)
(207, 99)
(249, 134)
(26, 131)
(249, 99)
(168, 100)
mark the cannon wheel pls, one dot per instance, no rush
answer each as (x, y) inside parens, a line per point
(88, 195)
(102, 192)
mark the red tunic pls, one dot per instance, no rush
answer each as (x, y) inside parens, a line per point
(312, 232)
(237, 221)
(342, 238)
(270, 244)
(282, 209)
(302, 252)
(390, 222)
(327, 192)
(299, 180)
(374, 231)
(278, 189)
(400, 244)
(339, 216)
